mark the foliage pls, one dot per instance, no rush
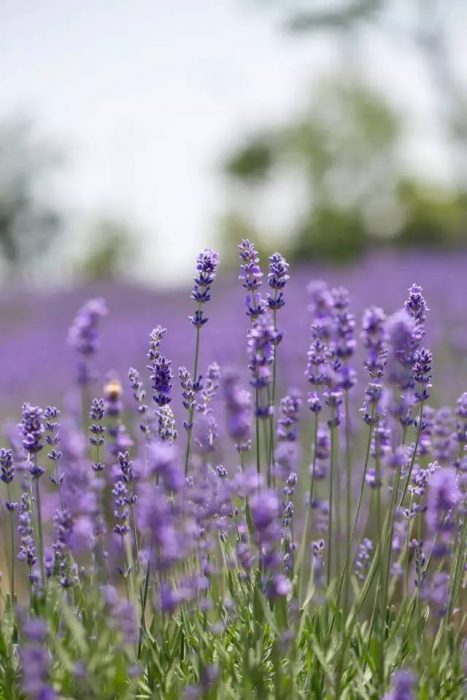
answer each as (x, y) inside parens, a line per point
(28, 224)
(312, 549)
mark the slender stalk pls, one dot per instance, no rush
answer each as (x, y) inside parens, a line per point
(303, 559)
(359, 505)
(12, 548)
(191, 410)
(39, 528)
(258, 445)
(348, 500)
(273, 399)
(414, 454)
(331, 498)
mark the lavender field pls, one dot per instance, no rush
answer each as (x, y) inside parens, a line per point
(255, 487)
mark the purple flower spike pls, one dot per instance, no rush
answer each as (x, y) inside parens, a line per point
(238, 411)
(206, 266)
(251, 276)
(403, 684)
(32, 428)
(277, 279)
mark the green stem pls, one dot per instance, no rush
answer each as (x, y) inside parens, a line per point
(331, 499)
(303, 560)
(273, 400)
(359, 505)
(191, 410)
(12, 548)
(39, 528)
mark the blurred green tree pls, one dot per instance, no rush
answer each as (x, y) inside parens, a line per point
(28, 220)
(110, 250)
(347, 146)
(344, 147)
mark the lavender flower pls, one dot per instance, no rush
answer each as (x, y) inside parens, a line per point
(52, 427)
(444, 436)
(84, 335)
(373, 337)
(363, 559)
(206, 266)
(7, 466)
(443, 497)
(167, 430)
(161, 381)
(35, 662)
(32, 428)
(422, 373)
(403, 684)
(121, 515)
(188, 393)
(416, 305)
(287, 424)
(238, 411)
(461, 425)
(251, 276)
(139, 394)
(27, 547)
(262, 338)
(277, 279)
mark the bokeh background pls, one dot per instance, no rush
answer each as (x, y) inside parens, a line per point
(135, 133)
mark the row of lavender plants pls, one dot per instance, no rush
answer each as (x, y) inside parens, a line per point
(297, 546)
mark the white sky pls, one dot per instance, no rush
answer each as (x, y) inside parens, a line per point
(144, 96)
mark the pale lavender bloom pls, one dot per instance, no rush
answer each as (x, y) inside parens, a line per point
(166, 420)
(373, 336)
(165, 465)
(402, 686)
(35, 662)
(461, 413)
(444, 437)
(443, 497)
(238, 411)
(27, 547)
(139, 394)
(6, 465)
(250, 276)
(321, 299)
(84, 335)
(120, 513)
(344, 324)
(206, 266)
(210, 387)
(289, 410)
(262, 338)
(363, 559)
(322, 454)
(277, 279)
(416, 305)
(120, 614)
(400, 330)
(165, 533)
(319, 357)
(32, 429)
(265, 509)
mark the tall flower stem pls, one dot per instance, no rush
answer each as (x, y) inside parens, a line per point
(348, 499)
(191, 410)
(39, 527)
(332, 478)
(303, 559)
(357, 511)
(414, 455)
(12, 548)
(273, 402)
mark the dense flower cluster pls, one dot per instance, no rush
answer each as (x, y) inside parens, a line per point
(264, 550)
